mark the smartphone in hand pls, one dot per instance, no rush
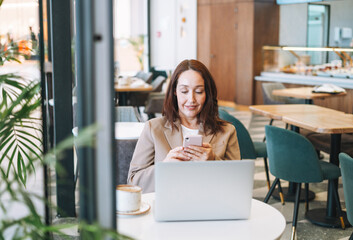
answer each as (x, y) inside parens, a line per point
(195, 140)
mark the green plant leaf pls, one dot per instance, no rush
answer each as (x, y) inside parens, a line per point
(30, 163)
(29, 135)
(21, 169)
(16, 141)
(10, 163)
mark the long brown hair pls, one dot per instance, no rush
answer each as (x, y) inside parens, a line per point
(208, 115)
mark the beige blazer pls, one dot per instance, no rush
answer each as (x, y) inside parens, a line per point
(157, 139)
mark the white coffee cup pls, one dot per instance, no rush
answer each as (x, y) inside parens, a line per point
(128, 198)
(124, 81)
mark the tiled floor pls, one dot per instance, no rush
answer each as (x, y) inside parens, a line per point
(305, 230)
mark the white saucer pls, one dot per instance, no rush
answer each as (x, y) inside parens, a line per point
(145, 207)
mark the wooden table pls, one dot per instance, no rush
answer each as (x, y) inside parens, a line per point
(138, 85)
(265, 222)
(320, 120)
(277, 111)
(304, 93)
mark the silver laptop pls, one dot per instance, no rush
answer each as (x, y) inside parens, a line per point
(212, 190)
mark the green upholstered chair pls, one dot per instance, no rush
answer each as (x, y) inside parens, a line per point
(293, 158)
(347, 178)
(248, 148)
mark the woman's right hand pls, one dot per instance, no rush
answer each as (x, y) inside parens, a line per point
(176, 154)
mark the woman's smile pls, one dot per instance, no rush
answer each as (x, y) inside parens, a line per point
(191, 107)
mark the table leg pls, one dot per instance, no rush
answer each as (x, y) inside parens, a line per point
(327, 217)
(122, 98)
(294, 128)
(308, 101)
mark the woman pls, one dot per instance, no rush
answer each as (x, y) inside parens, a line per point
(190, 108)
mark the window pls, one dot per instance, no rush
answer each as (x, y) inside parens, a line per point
(318, 31)
(131, 36)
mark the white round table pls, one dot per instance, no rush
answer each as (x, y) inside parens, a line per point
(265, 222)
(128, 130)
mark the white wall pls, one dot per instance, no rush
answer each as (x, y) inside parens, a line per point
(341, 16)
(292, 26)
(172, 40)
(293, 22)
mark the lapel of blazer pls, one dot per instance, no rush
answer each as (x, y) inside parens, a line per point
(175, 139)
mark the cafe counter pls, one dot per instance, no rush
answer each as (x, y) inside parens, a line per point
(346, 83)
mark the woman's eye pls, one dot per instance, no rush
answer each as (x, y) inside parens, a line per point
(200, 92)
(184, 92)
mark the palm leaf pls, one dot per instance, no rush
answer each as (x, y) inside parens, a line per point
(30, 165)
(7, 149)
(12, 157)
(16, 141)
(29, 135)
(21, 168)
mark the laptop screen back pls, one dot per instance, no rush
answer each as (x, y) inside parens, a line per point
(212, 190)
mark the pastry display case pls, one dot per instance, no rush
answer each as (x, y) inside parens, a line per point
(309, 61)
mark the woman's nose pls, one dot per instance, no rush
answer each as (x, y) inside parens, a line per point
(192, 97)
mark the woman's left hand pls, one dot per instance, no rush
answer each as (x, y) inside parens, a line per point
(197, 153)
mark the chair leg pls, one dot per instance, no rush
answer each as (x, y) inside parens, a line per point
(296, 210)
(151, 115)
(319, 154)
(267, 174)
(280, 192)
(138, 114)
(306, 197)
(338, 203)
(270, 123)
(271, 190)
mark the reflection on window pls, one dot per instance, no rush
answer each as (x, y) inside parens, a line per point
(131, 35)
